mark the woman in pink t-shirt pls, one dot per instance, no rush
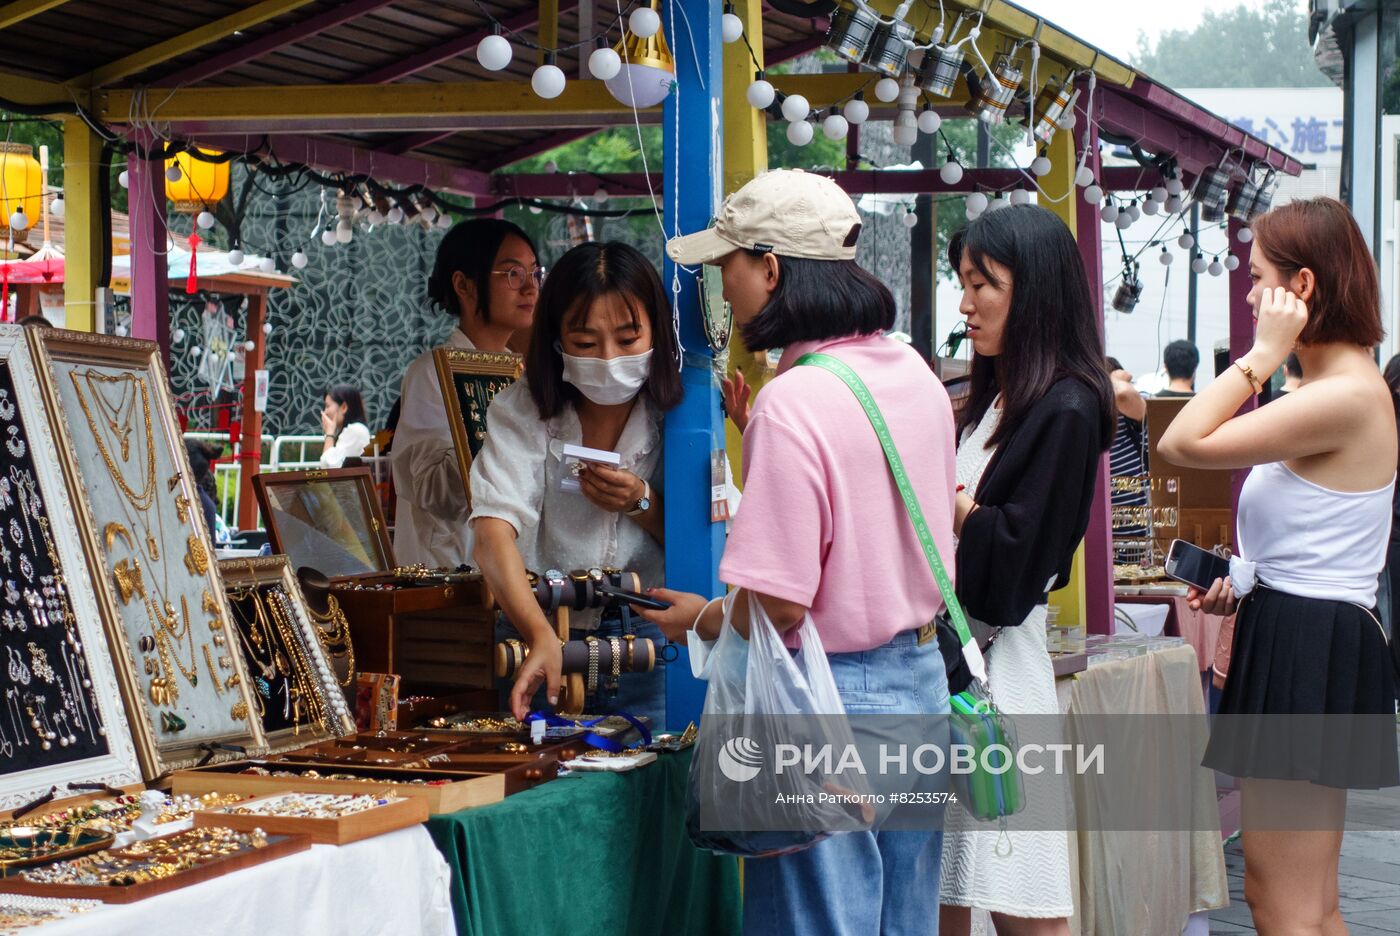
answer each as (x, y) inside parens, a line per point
(822, 531)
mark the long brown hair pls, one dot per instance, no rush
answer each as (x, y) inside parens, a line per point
(1319, 234)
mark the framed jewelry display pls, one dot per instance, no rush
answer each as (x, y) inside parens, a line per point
(326, 519)
(137, 513)
(469, 381)
(62, 720)
(297, 693)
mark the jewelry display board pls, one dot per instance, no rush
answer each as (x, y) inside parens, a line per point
(469, 381)
(61, 721)
(186, 691)
(327, 519)
(298, 695)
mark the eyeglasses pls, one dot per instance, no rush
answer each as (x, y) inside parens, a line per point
(516, 277)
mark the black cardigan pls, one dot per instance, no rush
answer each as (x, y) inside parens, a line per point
(1033, 507)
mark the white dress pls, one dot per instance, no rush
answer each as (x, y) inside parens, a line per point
(1033, 880)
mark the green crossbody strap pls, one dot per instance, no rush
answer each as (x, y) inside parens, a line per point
(971, 652)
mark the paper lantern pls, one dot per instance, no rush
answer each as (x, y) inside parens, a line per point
(201, 184)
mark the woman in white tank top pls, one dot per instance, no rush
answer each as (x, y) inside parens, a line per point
(1311, 531)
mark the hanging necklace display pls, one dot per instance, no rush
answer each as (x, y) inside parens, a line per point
(164, 606)
(56, 716)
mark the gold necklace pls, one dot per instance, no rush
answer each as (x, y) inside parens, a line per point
(340, 635)
(164, 626)
(112, 413)
(142, 501)
(307, 687)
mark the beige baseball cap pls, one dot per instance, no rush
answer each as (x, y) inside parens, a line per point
(791, 212)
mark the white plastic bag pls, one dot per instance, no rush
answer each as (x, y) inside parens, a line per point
(761, 695)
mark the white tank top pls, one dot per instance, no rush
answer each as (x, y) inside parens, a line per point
(1308, 540)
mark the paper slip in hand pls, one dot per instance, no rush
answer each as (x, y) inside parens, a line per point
(574, 457)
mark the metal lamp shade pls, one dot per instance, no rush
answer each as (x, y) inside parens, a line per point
(998, 90)
(852, 28)
(889, 48)
(939, 72)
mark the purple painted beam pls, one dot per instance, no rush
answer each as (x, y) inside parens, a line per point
(412, 141)
(452, 48)
(150, 277)
(337, 15)
(1174, 105)
(339, 157)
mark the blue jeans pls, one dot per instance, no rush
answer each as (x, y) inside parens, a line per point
(861, 883)
(636, 693)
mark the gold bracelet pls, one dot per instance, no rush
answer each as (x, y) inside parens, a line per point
(1254, 383)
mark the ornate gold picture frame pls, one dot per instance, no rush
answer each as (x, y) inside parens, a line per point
(298, 695)
(62, 720)
(326, 518)
(469, 381)
(137, 514)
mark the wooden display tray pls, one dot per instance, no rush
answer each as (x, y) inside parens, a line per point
(458, 789)
(400, 814)
(277, 847)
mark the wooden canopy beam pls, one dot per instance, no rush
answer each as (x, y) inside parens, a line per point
(21, 10)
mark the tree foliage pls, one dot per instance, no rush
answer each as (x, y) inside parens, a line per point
(1239, 47)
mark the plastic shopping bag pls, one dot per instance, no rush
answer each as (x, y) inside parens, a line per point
(742, 798)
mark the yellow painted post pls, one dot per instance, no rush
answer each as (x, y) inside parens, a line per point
(745, 156)
(1059, 181)
(549, 30)
(82, 231)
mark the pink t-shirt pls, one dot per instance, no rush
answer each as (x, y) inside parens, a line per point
(822, 523)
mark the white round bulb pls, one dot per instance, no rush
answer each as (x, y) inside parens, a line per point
(731, 28)
(267, 328)
(173, 173)
(835, 127)
(1134, 212)
(1150, 207)
(1245, 236)
(972, 215)
(444, 221)
(1186, 241)
(977, 202)
(1160, 193)
(905, 134)
(998, 203)
(235, 257)
(299, 260)
(1020, 196)
(328, 237)
(205, 220)
(795, 107)
(951, 173)
(799, 133)
(604, 64)
(19, 221)
(395, 215)
(856, 111)
(1216, 268)
(1199, 265)
(250, 346)
(886, 89)
(760, 94)
(267, 265)
(195, 351)
(600, 195)
(1084, 177)
(374, 217)
(124, 179)
(1067, 120)
(1174, 186)
(1165, 257)
(929, 121)
(535, 209)
(494, 53)
(1093, 194)
(1174, 204)
(177, 336)
(56, 207)
(910, 219)
(551, 167)
(344, 233)
(1040, 165)
(1124, 220)
(548, 81)
(1232, 262)
(1109, 213)
(428, 213)
(644, 22)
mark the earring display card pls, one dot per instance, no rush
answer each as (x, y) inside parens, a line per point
(297, 693)
(61, 720)
(469, 381)
(181, 675)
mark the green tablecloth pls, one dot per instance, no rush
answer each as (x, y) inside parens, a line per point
(590, 853)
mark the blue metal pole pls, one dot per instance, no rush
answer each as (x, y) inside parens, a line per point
(694, 147)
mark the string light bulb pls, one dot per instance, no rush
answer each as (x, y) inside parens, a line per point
(795, 108)
(395, 215)
(444, 221)
(19, 221)
(1084, 177)
(977, 202)
(1175, 204)
(1151, 207)
(494, 52)
(1109, 213)
(1020, 196)
(604, 63)
(267, 265)
(761, 93)
(1199, 264)
(1186, 241)
(1165, 257)
(548, 80)
(235, 258)
(205, 220)
(799, 133)
(910, 218)
(731, 28)
(56, 207)
(600, 195)
(929, 120)
(1093, 194)
(886, 90)
(328, 237)
(124, 179)
(1232, 262)
(952, 171)
(644, 22)
(1244, 236)
(1215, 268)
(173, 173)
(856, 110)
(344, 232)
(299, 260)
(835, 127)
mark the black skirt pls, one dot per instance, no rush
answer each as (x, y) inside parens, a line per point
(1310, 695)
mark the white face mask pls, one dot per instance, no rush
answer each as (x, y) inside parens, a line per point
(608, 381)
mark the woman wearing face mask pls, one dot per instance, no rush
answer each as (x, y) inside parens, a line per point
(487, 278)
(1037, 419)
(602, 368)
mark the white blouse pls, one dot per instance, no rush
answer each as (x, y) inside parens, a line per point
(351, 443)
(516, 478)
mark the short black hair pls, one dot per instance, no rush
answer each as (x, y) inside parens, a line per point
(1292, 366)
(349, 394)
(819, 299)
(1113, 364)
(470, 248)
(35, 321)
(583, 275)
(1181, 359)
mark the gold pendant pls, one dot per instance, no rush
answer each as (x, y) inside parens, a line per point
(128, 580)
(182, 507)
(152, 547)
(210, 604)
(239, 711)
(196, 557)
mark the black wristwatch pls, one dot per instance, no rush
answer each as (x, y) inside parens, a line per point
(555, 580)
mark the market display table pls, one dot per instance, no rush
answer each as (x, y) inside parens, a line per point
(1200, 629)
(588, 853)
(393, 885)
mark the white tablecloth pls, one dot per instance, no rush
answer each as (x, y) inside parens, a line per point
(394, 885)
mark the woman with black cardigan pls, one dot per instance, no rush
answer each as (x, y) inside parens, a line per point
(1032, 429)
